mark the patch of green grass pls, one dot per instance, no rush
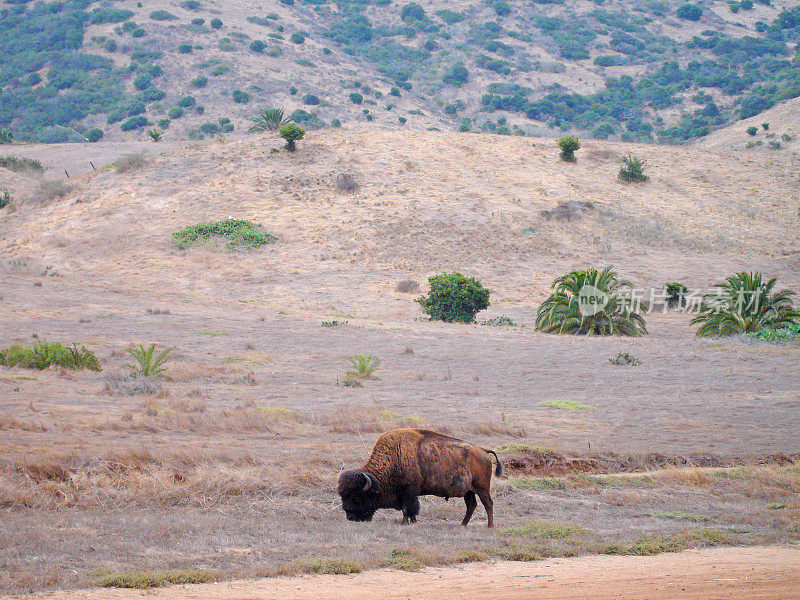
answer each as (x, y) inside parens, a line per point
(15, 163)
(679, 515)
(238, 232)
(776, 505)
(396, 416)
(44, 354)
(328, 566)
(249, 359)
(625, 359)
(209, 332)
(546, 529)
(732, 473)
(276, 411)
(406, 559)
(566, 405)
(539, 484)
(519, 447)
(19, 377)
(149, 579)
(650, 545)
(777, 336)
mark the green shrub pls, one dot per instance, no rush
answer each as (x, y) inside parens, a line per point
(186, 102)
(589, 302)
(5, 199)
(134, 123)
(364, 365)
(137, 33)
(632, 170)
(43, 354)
(310, 100)
(240, 97)
(198, 22)
(147, 362)
(209, 128)
(142, 81)
(191, 4)
(238, 232)
(624, 359)
(175, 112)
(689, 12)
(297, 38)
(356, 98)
(257, 46)
(412, 12)
(291, 132)
(752, 130)
(503, 9)
(215, 23)
(162, 15)
(744, 303)
(185, 49)
(568, 147)
(675, 294)
(454, 298)
(336, 123)
(402, 120)
(15, 163)
(6, 136)
(783, 334)
(163, 123)
(270, 119)
(150, 579)
(457, 76)
(200, 81)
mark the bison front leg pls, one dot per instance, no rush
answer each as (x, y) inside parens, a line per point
(471, 503)
(410, 504)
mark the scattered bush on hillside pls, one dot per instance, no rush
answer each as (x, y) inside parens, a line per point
(689, 12)
(257, 46)
(346, 183)
(134, 123)
(568, 147)
(456, 76)
(744, 303)
(310, 100)
(676, 294)
(48, 190)
(240, 97)
(17, 164)
(752, 130)
(270, 119)
(454, 298)
(44, 354)
(215, 23)
(200, 81)
(209, 128)
(632, 170)
(503, 9)
(5, 199)
(589, 302)
(356, 98)
(131, 161)
(185, 49)
(186, 102)
(297, 38)
(6, 136)
(412, 12)
(291, 132)
(175, 112)
(162, 15)
(238, 232)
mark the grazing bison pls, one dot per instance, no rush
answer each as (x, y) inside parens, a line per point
(407, 463)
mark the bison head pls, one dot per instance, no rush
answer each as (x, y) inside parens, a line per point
(359, 492)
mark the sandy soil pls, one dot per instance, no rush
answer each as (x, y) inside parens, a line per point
(719, 573)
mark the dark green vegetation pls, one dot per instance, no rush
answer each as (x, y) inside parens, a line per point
(590, 302)
(745, 303)
(43, 354)
(50, 79)
(291, 132)
(149, 579)
(454, 298)
(632, 170)
(569, 145)
(238, 232)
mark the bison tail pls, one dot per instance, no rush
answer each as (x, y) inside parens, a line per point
(499, 469)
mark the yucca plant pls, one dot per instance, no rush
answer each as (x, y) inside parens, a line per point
(268, 120)
(155, 135)
(364, 365)
(744, 303)
(590, 302)
(148, 363)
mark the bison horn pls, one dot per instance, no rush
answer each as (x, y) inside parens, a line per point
(369, 482)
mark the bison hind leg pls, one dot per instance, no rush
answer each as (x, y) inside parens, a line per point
(469, 500)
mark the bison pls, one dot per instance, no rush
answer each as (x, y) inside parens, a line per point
(407, 463)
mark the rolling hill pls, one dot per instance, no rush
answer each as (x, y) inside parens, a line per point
(71, 71)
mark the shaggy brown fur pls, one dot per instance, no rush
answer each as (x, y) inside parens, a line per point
(407, 463)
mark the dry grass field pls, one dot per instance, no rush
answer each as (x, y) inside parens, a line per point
(229, 463)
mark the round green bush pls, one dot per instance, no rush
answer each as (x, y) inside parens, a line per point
(209, 128)
(240, 97)
(142, 81)
(297, 38)
(454, 298)
(310, 99)
(94, 135)
(187, 102)
(134, 123)
(215, 23)
(257, 46)
(162, 15)
(200, 81)
(568, 147)
(175, 113)
(185, 48)
(356, 98)
(689, 12)
(291, 132)
(412, 12)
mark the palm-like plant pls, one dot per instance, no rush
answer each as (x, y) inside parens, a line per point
(155, 135)
(744, 303)
(364, 365)
(148, 363)
(590, 302)
(268, 120)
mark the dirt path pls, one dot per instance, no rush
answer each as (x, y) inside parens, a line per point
(717, 573)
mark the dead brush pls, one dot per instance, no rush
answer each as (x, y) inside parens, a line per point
(407, 286)
(346, 183)
(131, 162)
(694, 476)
